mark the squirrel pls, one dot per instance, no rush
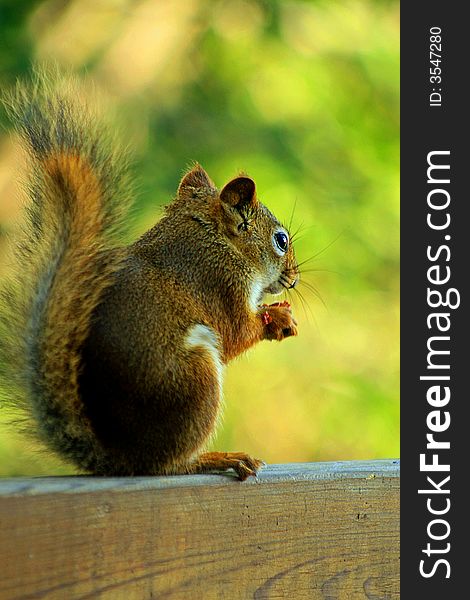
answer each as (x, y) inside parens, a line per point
(117, 353)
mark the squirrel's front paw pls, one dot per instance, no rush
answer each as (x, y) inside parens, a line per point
(278, 321)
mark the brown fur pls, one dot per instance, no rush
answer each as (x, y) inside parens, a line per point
(131, 341)
(79, 281)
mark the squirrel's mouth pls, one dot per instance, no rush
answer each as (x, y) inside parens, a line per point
(286, 281)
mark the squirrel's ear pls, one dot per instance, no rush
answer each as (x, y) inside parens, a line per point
(240, 192)
(194, 181)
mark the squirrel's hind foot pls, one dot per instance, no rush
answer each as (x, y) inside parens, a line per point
(243, 464)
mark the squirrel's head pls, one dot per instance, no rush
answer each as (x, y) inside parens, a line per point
(248, 225)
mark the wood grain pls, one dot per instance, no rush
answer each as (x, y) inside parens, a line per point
(325, 531)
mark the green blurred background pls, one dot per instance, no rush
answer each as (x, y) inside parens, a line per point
(303, 96)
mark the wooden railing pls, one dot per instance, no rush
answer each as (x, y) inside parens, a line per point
(319, 530)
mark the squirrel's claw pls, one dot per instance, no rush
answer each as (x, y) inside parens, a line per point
(247, 467)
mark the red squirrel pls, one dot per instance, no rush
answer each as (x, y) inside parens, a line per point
(117, 353)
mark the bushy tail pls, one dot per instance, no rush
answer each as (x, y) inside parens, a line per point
(78, 193)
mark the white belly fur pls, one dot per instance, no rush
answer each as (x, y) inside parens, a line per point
(205, 338)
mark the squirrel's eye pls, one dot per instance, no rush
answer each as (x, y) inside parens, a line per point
(243, 226)
(282, 241)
